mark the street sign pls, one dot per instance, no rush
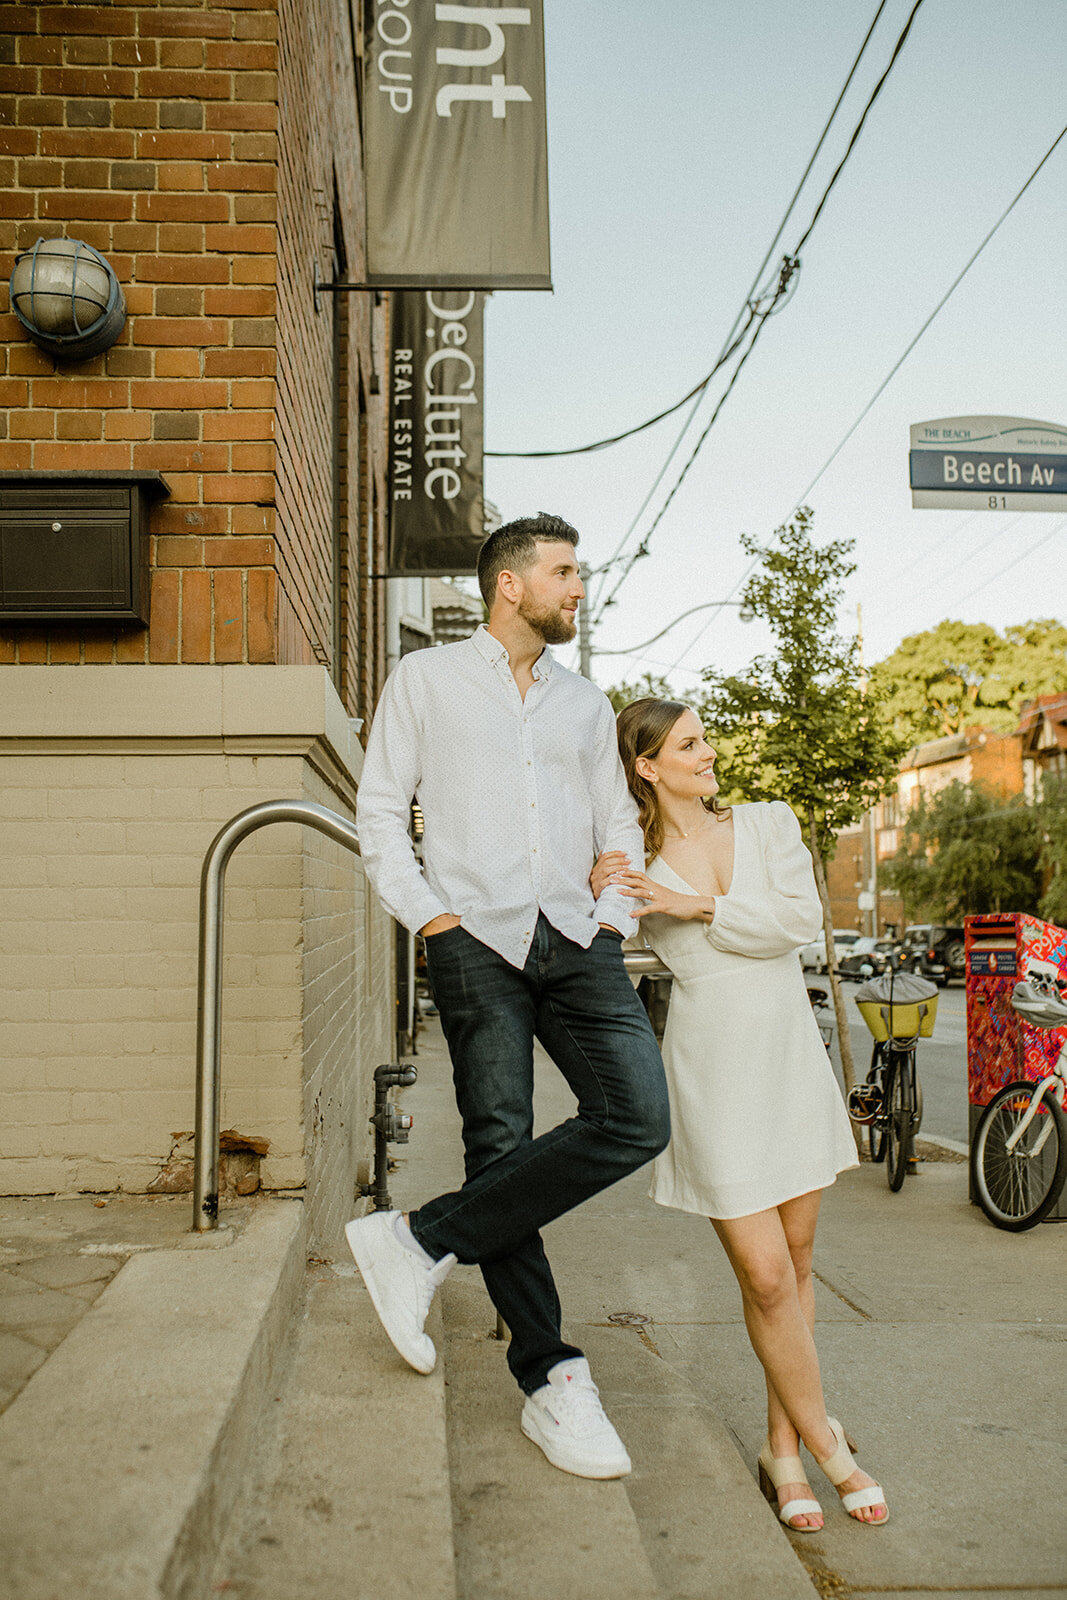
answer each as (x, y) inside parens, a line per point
(988, 464)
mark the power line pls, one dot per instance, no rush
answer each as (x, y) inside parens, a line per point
(747, 303)
(728, 347)
(811, 162)
(616, 438)
(802, 498)
(973, 555)
(1045, 537)
(643, 547)
(703, 606)
(790, 265)
(897, 48)
(676, 666)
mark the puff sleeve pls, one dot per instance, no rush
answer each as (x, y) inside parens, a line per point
(777, 909)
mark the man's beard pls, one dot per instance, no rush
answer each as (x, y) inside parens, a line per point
(551, 625)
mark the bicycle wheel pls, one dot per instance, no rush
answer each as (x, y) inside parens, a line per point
(1017, 1188)
(876, 1141)
(898, 1120)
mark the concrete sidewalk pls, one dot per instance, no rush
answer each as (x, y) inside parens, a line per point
(164, 1398)
(941, 1340)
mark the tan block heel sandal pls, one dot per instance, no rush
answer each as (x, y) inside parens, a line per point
(841, 1466)
(776, 1470)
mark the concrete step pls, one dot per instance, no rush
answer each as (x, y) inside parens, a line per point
(688, 1524)
(120, 1460)
(350, 1493)
(707, 1529)
(524, 1530)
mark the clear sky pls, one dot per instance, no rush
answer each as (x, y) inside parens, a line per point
(677, 134)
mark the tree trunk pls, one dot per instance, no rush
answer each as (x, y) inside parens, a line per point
(844, 1038)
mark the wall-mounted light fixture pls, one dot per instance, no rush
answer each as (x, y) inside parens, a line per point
(68, 299)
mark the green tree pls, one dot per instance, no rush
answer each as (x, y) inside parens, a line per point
(967, 850)
(966, 674)
(1052, 829)
(803, 725)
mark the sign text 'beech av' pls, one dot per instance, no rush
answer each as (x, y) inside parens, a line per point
(988, 464)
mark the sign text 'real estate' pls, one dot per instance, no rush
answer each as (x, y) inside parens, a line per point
(437, 508)
(442, 432)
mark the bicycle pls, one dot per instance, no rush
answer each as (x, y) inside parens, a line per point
(889, 1103)
(817, 998)
(1019, 1151)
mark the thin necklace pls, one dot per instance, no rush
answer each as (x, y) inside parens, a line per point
(703, 825)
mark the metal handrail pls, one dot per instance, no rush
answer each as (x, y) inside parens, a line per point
(209, 980)
(643, 964)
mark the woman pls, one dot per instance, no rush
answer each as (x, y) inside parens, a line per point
(759, 1129)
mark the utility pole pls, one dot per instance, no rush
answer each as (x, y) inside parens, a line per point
(869, 825)
(585, 653)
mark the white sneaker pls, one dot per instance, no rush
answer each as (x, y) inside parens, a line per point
(566, 1419)
(400, 1285)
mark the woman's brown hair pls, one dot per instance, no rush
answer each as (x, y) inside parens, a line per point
(643, 727)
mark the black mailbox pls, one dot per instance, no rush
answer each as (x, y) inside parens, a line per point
(74, 545)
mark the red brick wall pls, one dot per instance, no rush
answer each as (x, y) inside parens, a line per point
(844, 879)
(151, 132)
(320, 201)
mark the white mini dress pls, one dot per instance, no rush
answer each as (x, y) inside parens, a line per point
(756, 1114)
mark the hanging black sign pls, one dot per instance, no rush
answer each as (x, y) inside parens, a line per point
(436, 498)
(456, 157)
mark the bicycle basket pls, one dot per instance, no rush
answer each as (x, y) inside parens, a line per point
(898, 1005)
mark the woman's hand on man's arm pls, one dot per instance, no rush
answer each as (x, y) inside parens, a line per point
(605, 869)
(657, 899)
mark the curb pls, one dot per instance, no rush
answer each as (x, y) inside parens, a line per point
(121, 1459)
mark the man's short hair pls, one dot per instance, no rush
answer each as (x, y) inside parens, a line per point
(513, 548)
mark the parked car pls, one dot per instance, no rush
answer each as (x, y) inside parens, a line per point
(813, 955)
(933, 950)
(866, 958)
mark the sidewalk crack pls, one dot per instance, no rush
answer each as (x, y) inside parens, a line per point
(827, 1283)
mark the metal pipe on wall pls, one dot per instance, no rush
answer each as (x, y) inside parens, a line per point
(209, 979)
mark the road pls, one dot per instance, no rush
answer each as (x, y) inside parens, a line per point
(942, 1060)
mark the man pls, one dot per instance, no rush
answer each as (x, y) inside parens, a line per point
(515, 766)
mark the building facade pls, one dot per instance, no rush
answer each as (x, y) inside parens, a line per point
(976, 755)
(211, 152)
(1042, 734)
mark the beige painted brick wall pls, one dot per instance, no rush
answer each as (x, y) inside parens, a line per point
(347, 1029)
(100, 855)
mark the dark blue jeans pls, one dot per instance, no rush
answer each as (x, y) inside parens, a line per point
(582, 1007)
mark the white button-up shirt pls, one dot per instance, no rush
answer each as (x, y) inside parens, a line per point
(518, 797)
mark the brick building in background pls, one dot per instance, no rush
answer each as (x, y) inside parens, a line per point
(976, 755)
(211, 152)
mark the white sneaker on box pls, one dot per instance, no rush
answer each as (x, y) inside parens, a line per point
(566, 1419)
(400, 1285)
